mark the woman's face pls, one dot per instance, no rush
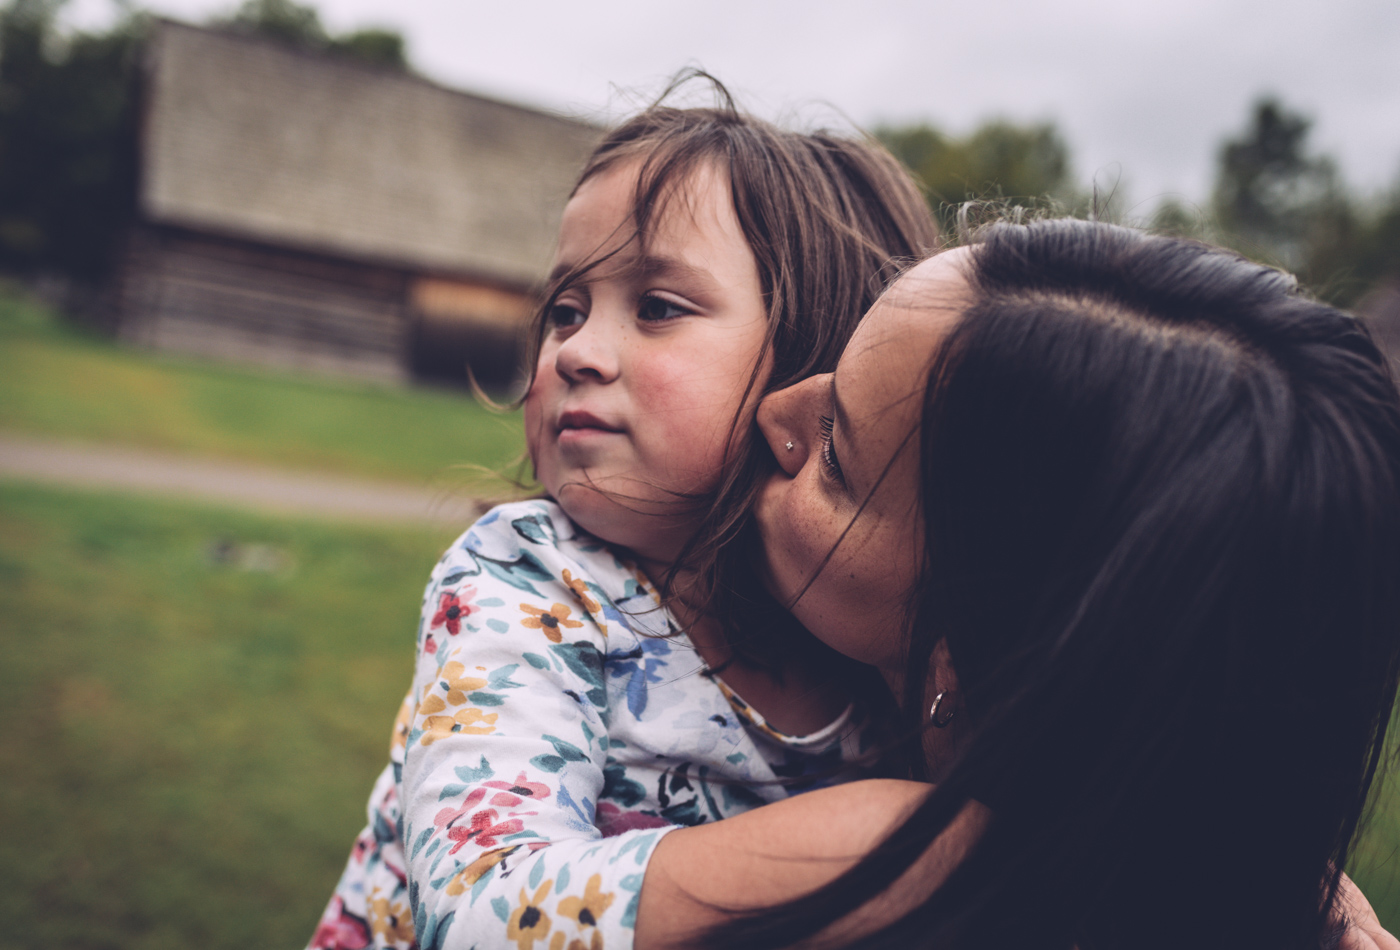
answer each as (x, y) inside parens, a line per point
(849, 485)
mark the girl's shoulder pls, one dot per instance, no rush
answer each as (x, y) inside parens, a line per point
(534, 547)
(533, 534)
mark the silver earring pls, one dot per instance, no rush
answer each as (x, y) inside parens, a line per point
(933, 712)
(788, 445)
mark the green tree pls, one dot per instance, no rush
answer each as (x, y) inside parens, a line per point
(300, 25)
(67, 142)
(1019, 165)
(1275, 199)
(373, 45)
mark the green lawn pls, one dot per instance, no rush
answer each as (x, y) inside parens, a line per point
(1376, 863)
(60, 382)
(188, 743)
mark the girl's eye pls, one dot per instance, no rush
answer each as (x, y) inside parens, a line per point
(828, 450)
(653, 309)
(562, 316)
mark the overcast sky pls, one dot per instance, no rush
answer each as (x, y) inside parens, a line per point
(1144, 91)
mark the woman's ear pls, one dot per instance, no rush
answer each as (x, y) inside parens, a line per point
(944, 712)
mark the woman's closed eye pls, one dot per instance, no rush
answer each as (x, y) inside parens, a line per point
(828, 449)
(653, 308)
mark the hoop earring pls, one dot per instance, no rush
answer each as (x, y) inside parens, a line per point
(933, 712)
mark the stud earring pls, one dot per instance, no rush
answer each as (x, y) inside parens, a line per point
(788, 445)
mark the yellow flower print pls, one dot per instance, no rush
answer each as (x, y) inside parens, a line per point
(580, 589)
(392, 923)
(473, 872)
(471, 721)
(458, 685)
(588, 909)
(529, 922)
(403, 723)
(557, 943)
(549, 620)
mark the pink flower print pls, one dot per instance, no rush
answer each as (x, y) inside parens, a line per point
(430, 645)
(513, 792)
(612, 820)
(484, 829)
(453, 608)
(340, 930)
(448, 815)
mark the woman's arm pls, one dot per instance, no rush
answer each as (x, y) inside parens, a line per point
(782, 851)
(787, 849)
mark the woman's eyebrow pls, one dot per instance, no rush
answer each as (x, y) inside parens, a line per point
(838, 411)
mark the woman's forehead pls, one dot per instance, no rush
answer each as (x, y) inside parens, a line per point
(899, 335)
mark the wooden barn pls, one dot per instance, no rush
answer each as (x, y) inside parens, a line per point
(310, 212)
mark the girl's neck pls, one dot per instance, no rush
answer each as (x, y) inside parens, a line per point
(805, 696)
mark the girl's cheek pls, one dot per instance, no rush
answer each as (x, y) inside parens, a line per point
(533, 425)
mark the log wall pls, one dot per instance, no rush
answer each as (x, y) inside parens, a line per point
(238, 301)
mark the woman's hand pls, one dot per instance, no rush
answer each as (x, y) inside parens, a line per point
(1364, 930)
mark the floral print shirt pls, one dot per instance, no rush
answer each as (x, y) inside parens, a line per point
(558, 725)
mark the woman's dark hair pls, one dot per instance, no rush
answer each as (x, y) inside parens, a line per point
(1161, 492)
(825, 216)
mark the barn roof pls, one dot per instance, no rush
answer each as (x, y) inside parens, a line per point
(249, 138)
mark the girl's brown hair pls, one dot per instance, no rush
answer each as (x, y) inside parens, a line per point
(828, 218)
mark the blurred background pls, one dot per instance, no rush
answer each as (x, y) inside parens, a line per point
(250, 255)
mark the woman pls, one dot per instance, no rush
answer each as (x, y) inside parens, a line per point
(1119, 516)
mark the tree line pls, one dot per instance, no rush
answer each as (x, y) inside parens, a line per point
(1273, 198)
(68, 158)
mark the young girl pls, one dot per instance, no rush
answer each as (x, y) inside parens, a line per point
(566, 710)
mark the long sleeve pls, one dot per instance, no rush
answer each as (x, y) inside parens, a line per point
(507, 751)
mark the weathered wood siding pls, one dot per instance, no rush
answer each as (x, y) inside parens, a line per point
(304, 211)
(248, 137)
(235, 300)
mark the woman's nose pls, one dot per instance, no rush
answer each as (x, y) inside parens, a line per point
(587, 354)
(788, 420)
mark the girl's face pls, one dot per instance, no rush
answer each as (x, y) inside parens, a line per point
(645, 360)
(849, 485)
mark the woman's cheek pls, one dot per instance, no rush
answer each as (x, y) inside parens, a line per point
(794, 541)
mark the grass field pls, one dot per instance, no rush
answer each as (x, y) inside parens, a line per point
(60, 382)
(189, 740)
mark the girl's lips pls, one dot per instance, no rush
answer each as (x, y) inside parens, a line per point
(583, 423)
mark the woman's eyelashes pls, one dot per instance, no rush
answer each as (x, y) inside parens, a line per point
(828, 449)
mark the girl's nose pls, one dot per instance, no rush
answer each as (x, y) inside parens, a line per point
(588, 354)
(789, 418)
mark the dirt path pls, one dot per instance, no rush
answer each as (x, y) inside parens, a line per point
(147, 472)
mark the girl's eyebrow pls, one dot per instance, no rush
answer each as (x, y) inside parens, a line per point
(655, 265)
(647, 267)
